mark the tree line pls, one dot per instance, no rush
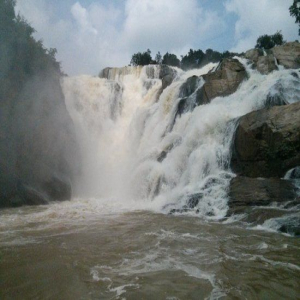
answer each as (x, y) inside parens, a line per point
(198, 58)
(194, 58)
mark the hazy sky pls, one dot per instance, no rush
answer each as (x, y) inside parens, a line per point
(92, 34)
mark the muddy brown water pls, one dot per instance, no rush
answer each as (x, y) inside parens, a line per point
(58, 253)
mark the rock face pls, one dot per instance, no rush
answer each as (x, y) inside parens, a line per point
(254, 54)
(246, 192)
(288, 55)
(266, 64)
(39, 160)
(250, 196)
(167, 75)
(267, 142)
(224, 81)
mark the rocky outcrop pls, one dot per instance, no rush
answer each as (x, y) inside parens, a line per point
(223, 82)
(288, 55)
(247, 192)
(250, 197)
(266, 64)
(167, 75)
(39, 158)
(267, 142)
(254, 55)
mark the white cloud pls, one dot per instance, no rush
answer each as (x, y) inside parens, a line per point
(91, 36)
(258, 17)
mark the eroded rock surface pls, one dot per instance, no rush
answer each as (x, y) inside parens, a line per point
(288, 55)
(267, 142)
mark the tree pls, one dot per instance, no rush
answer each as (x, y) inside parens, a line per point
(295, 12)
(269, 41)
(171, 60)
(158, 58)
(192, 60)
(141, 59)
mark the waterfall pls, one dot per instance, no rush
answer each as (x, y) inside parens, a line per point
(135, 145)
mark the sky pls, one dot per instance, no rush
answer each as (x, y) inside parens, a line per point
(93, 34)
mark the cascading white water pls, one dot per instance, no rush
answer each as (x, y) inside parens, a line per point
(133, 150)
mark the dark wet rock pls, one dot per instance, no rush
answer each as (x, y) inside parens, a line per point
(167, 75)
(58, 189)
(189, 86)
(183, 106)
(164, 153)
(245, 192)
(288, 55)
(251, 196)
(267, 142)
(266, 64)
(166, 81)
(290, 225)
(276, 99)
(295, 74)
(295, 173)
(191, 202)
(37, 142)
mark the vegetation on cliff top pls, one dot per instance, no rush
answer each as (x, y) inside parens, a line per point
(21, 56)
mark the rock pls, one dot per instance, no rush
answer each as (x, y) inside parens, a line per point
(267, 142)
(167, 75)
(189, 86)
(276, 99)
(247, 192)
(58, 189)
(166, 81)
(38, 143)
(295, 173)
(290, 225)
(105, 73)
(288, 55)
(222, 82)
(191, 202)
(254, 54)
(266, 64)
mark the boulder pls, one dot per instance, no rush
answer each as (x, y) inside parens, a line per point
(222, 82)
(267, 142)
(266, 64)
(167, 75)
(254, 54)
(247, 192)
(189, 86)
(288, 55)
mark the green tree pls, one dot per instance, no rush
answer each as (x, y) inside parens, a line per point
(158, 58)
(141, 59)
(192, 60)
(269, 41)
(171, 60)
(21, 56)
(295, 12)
